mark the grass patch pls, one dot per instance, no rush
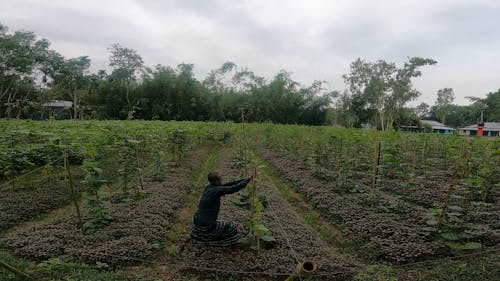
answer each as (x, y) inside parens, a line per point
(484, 268)
(58, 269)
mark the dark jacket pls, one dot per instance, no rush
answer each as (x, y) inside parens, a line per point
(209, 206)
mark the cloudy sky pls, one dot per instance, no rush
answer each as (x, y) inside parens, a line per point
(313, 39)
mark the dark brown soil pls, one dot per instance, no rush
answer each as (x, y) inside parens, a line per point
(392, 230)
(277, 261)
(135, 232)
(22, 204)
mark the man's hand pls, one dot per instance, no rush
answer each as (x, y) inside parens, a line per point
(251, 176)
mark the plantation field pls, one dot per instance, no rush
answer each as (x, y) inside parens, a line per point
(113, 200)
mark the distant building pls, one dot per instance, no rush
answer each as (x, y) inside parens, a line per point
(57, 109)
(438, 127)
(429, 126)
(489, 129)
(58, 104)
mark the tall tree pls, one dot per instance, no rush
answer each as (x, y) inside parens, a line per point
(25, 64)
(444, 103)
(383, 87)
(73, 77)
(126, 63)
(422, 110)
(492, 101)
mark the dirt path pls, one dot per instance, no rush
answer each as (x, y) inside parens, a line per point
(296, 240)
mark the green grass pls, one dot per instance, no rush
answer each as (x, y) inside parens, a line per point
(58, 269)
(483, 268)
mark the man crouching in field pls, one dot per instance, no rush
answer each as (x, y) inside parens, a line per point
(206, 228)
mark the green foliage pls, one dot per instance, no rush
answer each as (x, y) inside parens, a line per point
(177, 145)
(382, 88)
(243, 199)
(130, 171)
(159, 159)
(72, 77)
(258, 230)
(444, 102)
(98, 214)
(484, 268)
(456, 232)
(59, 269)
(20, 156)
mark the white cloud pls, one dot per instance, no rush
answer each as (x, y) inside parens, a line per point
(313, 39)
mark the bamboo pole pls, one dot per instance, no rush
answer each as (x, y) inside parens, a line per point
(12, 161)
(255, 199)
(245, 158)
(253, 209)
(139, 169)
(339, 158)
(451, 189)
(14, 270)
(424, 153)
(414, 161)
(73, 192)
(376, 163)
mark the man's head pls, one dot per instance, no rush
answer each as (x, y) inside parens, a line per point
(214, 178)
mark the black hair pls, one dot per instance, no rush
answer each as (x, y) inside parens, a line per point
(213, 177)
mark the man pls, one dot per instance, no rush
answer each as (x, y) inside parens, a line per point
(206, 228)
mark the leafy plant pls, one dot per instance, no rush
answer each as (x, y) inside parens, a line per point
(177, 144)
(99, 214)
(130, 170)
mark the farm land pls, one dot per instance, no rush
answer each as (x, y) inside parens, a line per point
(113, 200)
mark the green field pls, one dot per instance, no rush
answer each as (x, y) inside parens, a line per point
(113, 200)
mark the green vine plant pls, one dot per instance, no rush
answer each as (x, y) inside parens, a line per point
(159, 159)
(177, 142)
(99, 214)
(130, 171)
(244, 199)
(254, 228)
(258, 234)
(449, 220)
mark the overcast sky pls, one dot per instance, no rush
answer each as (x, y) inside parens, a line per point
(313, 39)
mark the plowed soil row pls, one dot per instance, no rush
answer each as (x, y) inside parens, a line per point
(295, 240)
(135, 232)
(28, 203)
(391, 236)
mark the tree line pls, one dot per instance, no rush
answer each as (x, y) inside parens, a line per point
(31, 74)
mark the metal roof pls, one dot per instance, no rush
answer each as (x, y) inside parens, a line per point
(58, 103)
(488, 126)
(436, 125)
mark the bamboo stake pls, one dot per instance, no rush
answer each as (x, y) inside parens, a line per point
(447, 198)
(451, 189)
(141, 182)
(424, 162)
(12, 161)
(254, 198)
(253, 210)
(14, 270)
(414, 160)
(65, 166)
(376, 163)
(339, 157)
(244, 142)
(73, 193)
